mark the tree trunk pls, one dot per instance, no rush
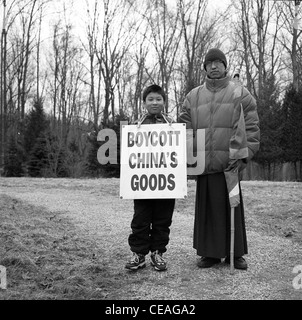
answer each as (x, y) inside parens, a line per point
(3, 94)
(294, 50)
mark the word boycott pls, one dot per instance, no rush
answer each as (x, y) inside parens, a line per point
(154, 138)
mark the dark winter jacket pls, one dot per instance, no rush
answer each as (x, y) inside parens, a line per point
(228, 113)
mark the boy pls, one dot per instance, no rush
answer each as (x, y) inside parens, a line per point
(152, 217)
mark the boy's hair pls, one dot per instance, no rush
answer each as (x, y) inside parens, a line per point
(154, 88)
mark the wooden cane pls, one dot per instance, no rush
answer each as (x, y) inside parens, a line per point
(232, 240)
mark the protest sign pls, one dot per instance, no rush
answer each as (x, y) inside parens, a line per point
(153, 161)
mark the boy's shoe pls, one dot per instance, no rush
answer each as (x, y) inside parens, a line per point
(239, 263)
(206, 262)
(158, 261)
(137, 261)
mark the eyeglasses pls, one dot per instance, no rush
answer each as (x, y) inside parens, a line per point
(217, 63)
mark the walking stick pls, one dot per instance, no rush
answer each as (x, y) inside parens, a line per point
(234, 197)
(232, 240)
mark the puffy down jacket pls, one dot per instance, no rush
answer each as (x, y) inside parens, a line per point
(228, 113)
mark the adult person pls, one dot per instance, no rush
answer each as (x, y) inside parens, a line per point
(212, 107)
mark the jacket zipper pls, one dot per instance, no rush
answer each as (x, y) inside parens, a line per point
(211, 128)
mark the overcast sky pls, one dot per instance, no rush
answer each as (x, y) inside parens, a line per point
(76, 8)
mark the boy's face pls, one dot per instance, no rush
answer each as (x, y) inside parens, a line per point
(154, 103)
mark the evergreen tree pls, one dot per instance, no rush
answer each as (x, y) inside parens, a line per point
(74, 163)
(13, 164)
(94, 167)
(36, 140)
(36, 123)
(56, 154)
(291, 140)
(38, 161)
(270, 152)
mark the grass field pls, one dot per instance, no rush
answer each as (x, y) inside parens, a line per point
(67, 239)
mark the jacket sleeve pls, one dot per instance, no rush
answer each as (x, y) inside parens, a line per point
(251, 123)
(186, 117)
(185, 113)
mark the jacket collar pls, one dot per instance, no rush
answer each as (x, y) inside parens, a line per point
(217, 84)
(154, 116)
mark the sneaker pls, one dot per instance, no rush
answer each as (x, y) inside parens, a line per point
(157, 261)
(239, 263)
(206, 262)
(137, 261)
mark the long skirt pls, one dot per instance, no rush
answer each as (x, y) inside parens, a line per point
(212, 219)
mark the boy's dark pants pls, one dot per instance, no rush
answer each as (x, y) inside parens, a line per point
(151, 225)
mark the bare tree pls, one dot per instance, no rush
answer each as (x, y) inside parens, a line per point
(258, 32)
(198, 33)
(116, 41)
(135, 68)
(290, 38)
(3, 100)
(38, 55)
(27, 26)
(140, 58)
(94, 36)
(17, 72)
(68, 70)
(165, 32)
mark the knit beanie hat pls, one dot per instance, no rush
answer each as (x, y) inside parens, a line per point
(215, 54)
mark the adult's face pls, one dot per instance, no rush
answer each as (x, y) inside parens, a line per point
(215, 69)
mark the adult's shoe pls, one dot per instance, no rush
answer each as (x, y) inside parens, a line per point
(239, 263)
(206, 262)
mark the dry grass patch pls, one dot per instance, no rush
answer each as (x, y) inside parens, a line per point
(67, 239)
(45, 257)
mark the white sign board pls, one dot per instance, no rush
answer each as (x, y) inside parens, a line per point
(153, 161)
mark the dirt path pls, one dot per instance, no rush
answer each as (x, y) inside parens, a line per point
(104, 219)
